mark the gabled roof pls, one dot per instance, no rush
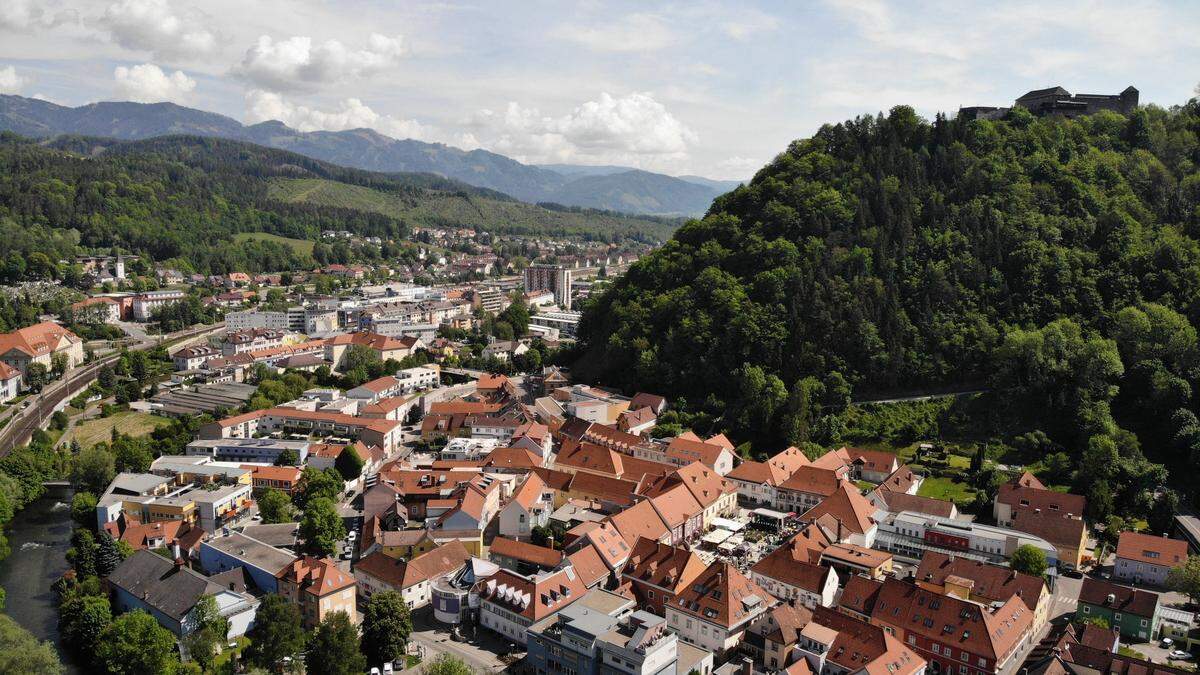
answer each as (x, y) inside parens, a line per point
(161, 584)
(404, 574)
(784, 566)
(525, 552)
(606, 488)
(873, 460)
(991, 582)
(901, 480)
(860, 594)
(533, 597)
(643, 400)
(316, 576)
(992, 633)
(530, 492)
(588, 565)
(1027, 492)
(862, 647)
(640, 520)
(705, 484)
(815, 480)
(722, 595)
(1152, 550)
(900, 501)
(1126, 600)
(834, 459)
(848, 506)
(686, 450)
(676, 506)
(608, 542)
(511, 458)
(36, 340)
(663, 565)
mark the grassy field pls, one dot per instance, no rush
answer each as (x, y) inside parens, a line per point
(451, 209)
(130, 423)
(944, 488)
(301, 246)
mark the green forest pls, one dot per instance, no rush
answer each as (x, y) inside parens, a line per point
(182, 200)
(1053, 263)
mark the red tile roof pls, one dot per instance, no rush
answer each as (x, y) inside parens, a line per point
(663, 565)
(316, 576)
(991, 582)
(722, 595)
(641, 520)
(814, 479)
(429, 565)
(589, 566)
(525, 552)
(1152, 550)
(848, 506)
(36, 340)
(533, 597)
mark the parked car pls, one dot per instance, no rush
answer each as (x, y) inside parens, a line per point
(1180, 655)
(387, 668)
(1167, 642)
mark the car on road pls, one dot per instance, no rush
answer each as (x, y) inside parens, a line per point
(1073, 574)
(1180, 655)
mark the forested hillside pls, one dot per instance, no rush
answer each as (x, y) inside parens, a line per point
(1053, 261)
(184, 198)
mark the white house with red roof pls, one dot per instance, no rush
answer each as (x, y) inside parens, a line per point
(10, 382)
(530, 507)
(38, 344)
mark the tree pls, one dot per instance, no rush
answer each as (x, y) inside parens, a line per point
(210, 633)
(134, 643)
(58, 364)
(1186, 578)
(321, 528)
(83, 509)
(277, 633)
(288, 456)
(446, 664)
(22, 654)
(82, 618)
(82, 554)
(275, 506)
(385, 628)
(334, 649)
(108, 556)
(315, 483)
(132, 454)
(348, 463)
(36, 376)
(93, 469)
(1029, 559)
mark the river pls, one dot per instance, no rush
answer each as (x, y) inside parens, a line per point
(39, 537)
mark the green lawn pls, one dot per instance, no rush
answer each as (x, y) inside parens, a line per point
(130, 423)
(944, 488)
(228, 653)
(301, 246)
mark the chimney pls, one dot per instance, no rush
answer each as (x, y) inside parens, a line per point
(747, 666)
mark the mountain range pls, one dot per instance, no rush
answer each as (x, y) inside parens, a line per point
(612, 188)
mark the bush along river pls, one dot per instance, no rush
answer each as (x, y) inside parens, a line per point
(38, 537)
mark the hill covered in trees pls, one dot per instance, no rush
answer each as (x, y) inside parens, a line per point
(1054, 262)
(184, 198)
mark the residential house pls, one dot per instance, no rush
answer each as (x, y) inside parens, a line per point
(757, 482)
(10, 382)
(39, 343)
(413, 579)
(530, 507)
(657, 573)
(714, 611)
(510, 603)
(849, 513)
(1026, 504)
(1134, 612)
(791, 572)
(261, 561)
(984, 583)
(716, 496)
(569, 640)
(1147, 559)
(835, 643)
(773, 636)
(523, 557)
(169, 591)
(319, 588)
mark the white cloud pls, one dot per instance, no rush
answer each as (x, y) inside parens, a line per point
(28, 15)
(351, 113)
(632, 129)
(153, 26)
(296, 64)
(148, 83)
(10, 81)
(639, 32)
(748, 23)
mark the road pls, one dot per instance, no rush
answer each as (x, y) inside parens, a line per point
(921, 397)
(480, 652)
(42, 405)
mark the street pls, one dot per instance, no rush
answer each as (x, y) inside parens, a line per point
(480, 652)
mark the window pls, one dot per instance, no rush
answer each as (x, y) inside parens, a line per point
(936, 648)
(912, 639)
(966, 657)
(982, 663)
(1087, 610)
(1143, 623)
(650, 594)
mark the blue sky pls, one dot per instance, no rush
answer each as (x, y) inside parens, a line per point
(711, 88)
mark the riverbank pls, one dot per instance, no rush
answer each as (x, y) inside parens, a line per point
(39, 537)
